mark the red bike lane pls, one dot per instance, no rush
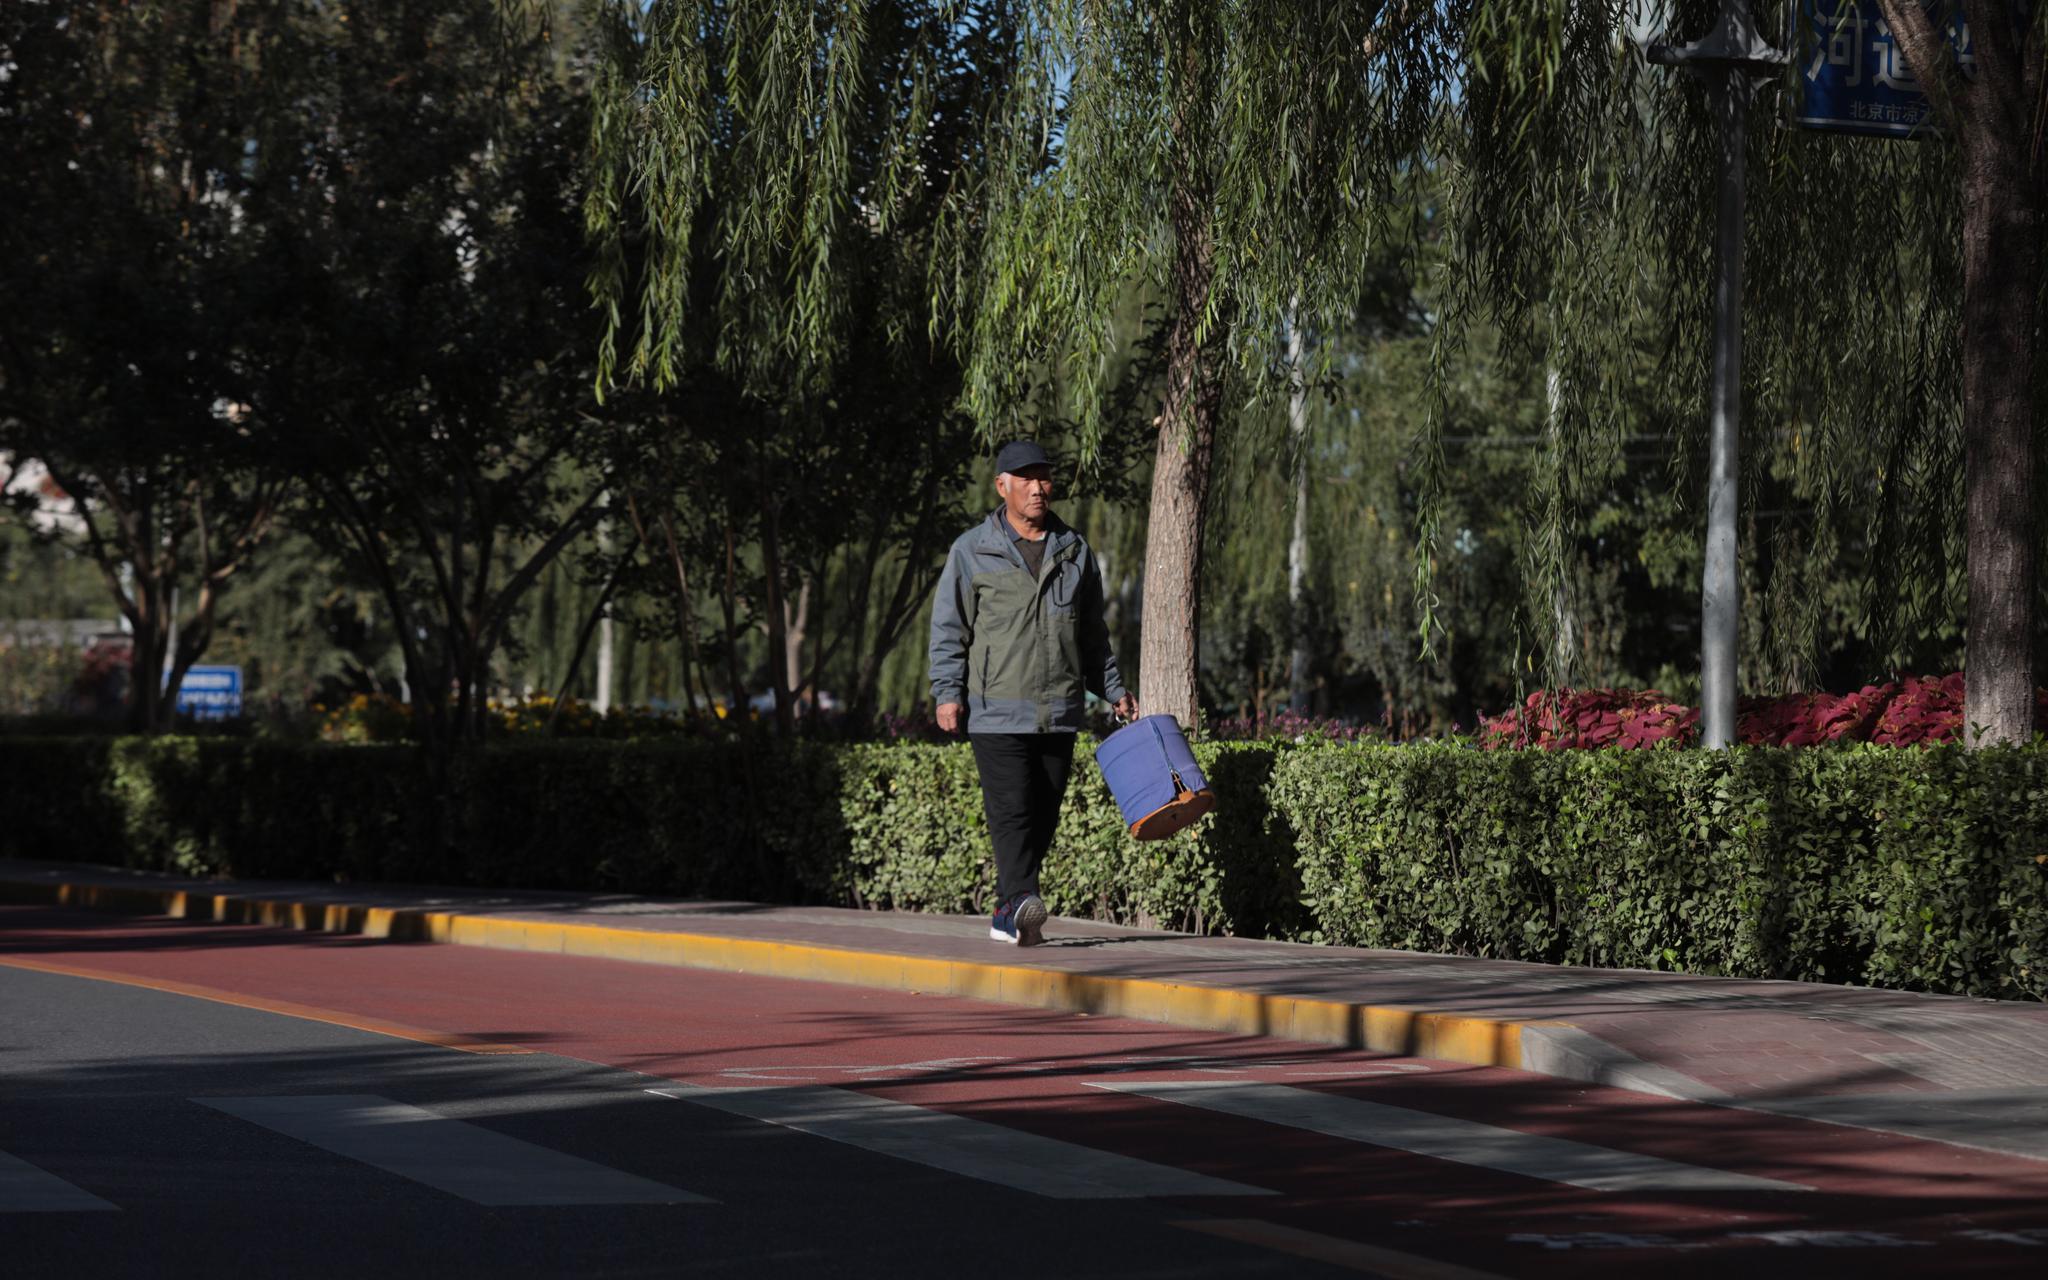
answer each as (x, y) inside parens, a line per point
(1621, 1180)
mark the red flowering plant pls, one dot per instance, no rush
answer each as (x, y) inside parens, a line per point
(1910, 711)
(1809, 719)
(1924, 710)
(1557, 720)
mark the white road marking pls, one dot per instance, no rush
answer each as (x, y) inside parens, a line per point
(1834, 1239)
(2027, 1237)
(466, 1160)
(1792, 1239)
(815, 1073)
(1606, 1240)
(26, 1189)
(958, 1144)
(1485, 1146)
(787, 1075)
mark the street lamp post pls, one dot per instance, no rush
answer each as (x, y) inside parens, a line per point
(1730, 60)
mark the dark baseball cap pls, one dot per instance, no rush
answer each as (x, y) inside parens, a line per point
(1019, 454)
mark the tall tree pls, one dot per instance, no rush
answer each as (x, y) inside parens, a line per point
(1992, 113)
(429, 344)
(1232, 156)
(129, 376)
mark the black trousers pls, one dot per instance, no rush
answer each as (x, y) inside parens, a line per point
(1023, 780)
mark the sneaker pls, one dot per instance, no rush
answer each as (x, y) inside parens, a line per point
(1002, 927)
(1028, 916)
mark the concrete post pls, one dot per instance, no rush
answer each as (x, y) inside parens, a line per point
(1729, 60)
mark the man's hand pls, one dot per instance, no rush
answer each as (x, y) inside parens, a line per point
(949, 717)
(1126, 707)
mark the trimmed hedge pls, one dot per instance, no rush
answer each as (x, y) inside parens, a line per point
(1924, 869)
(1920, 869)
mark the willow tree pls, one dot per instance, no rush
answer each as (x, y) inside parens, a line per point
(777, 190)
(1235, 159)
(1581, 212)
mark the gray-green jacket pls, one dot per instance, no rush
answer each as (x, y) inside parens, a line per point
(1018, 652)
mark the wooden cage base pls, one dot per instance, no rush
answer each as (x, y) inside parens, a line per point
(1175, 816)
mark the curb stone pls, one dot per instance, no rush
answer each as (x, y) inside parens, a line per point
(1548, 1048)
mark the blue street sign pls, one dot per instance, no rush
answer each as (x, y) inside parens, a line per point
(1853, 76)
(211, 693)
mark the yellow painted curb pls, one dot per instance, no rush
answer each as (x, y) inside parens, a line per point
(1476, 1041)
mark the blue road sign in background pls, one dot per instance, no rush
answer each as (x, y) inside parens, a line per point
(211, 693)
(1853, 76)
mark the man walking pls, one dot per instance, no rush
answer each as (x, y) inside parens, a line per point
(1017, 635)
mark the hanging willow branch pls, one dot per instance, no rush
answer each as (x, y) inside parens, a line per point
(747, 155)
(1582, 205)
(745, 150)
(1310, 112)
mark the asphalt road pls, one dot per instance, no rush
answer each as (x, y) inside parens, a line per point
(282, 1104)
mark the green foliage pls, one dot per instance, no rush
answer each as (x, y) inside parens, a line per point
(130, 379)
(652, 818)
(72, 816)
(1141, 136)
(917, 840)
(1578, 219)
(1908, 868)
(36, 679)
(769, 184)
(428, 338)
(655, 818)
(1923, 869)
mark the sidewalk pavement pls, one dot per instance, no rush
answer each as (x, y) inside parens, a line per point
(1948, 1068)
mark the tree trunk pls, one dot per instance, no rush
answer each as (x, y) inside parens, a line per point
(145, 674)
(910, 589)
(735, 690)
(599, 618)
(1298, 691)
(796, 626)
(1993, 116)
(1563, 635)
(357, 527)
(1170, 648)
(2001, 277)
(148, 623)
(155, 623)
(185, 647)
(606, 642)
(771, 572)
(686, 610)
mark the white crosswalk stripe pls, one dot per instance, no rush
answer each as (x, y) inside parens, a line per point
(1468, 1142)
(24, 1188)
(466, 1160)
(959, 1144)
